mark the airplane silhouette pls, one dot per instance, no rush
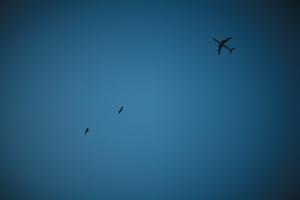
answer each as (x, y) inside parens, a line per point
(221, 44)
(86, 131)
(121, 109)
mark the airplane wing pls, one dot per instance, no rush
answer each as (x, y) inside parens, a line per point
(224, 41)
(226, 47)
(216, 40)
(120, 110)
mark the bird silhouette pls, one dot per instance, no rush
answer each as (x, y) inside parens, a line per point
(86, 131)
(121, 109)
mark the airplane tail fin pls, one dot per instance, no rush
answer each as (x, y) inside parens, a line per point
(230, 50)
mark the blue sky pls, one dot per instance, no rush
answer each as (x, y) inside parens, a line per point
(195, 125)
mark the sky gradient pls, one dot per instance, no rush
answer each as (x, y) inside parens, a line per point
(195, 124)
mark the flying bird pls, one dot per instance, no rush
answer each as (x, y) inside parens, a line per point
(221, 44)
(121, 109)
(86, 131)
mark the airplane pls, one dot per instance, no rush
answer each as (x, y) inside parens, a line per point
(121, 109)
(86, 131)
(222, 44)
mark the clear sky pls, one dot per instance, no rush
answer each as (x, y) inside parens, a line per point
(195, 125)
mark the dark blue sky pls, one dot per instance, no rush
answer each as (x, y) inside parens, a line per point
(195, 125)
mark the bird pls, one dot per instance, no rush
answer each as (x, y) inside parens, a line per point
(86, 131)
(121, 109)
